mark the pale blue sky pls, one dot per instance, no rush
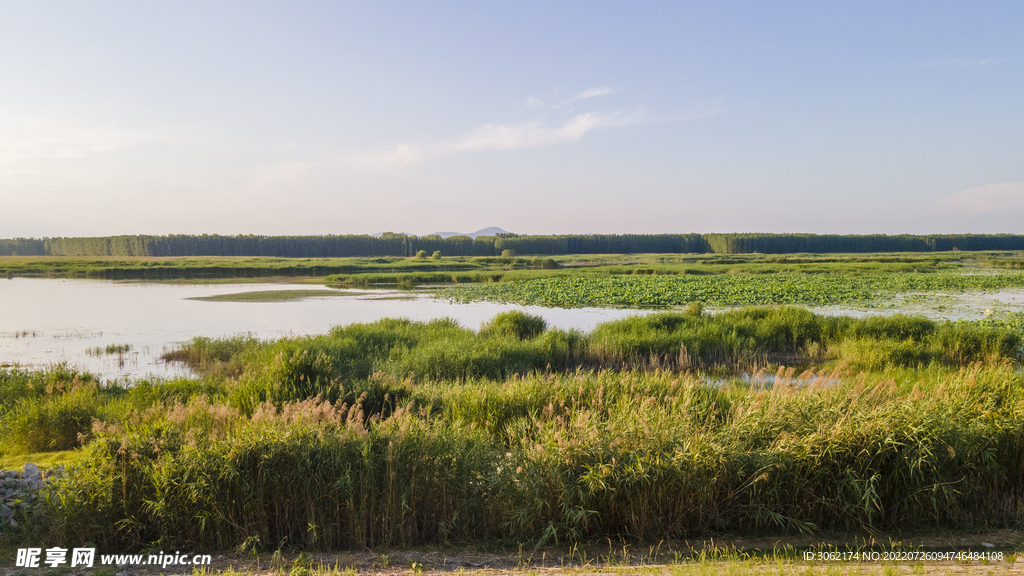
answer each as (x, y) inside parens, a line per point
(538, 117)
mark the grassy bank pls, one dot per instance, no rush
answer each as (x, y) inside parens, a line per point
(412, 270)
(166, 268)
(399, 433)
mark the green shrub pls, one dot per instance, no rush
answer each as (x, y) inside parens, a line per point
(296, 371)
(872, 354)
(514, 324)
(55, 422)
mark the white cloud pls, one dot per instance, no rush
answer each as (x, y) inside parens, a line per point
(520, 136)
(534, 103)
(516, 136)
(592, 93)
(993, 198)
(523, 135)
(535, 133)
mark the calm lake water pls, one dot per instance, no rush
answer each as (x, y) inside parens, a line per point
(44, 320)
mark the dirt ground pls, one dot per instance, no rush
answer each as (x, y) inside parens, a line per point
(724, 554)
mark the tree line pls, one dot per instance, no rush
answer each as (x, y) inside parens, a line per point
(403, 245)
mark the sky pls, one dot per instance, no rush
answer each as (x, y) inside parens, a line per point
(192, 117)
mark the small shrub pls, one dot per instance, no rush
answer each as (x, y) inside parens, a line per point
(545, 264)
(52, 422)
(869, 354)
(514, 324)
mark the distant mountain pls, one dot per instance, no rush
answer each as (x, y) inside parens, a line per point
(485, 232)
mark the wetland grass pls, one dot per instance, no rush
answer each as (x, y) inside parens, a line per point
(109, 350)
(557, 458)
(399, 433)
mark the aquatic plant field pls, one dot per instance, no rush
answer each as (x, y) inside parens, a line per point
(645, 291)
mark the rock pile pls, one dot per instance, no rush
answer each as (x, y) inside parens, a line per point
(20, 493)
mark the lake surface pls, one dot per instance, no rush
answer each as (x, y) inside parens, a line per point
(46, 320)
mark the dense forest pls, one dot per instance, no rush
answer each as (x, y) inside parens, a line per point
(391, 244)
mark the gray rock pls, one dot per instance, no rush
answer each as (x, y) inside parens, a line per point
(31, 471)
(6, 512)
(33, 483)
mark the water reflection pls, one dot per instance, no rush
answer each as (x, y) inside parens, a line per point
(43, 321)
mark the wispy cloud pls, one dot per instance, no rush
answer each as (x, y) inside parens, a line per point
(534, 103)
(593, 93)
(522, 135)
(957, 62)
(989, 199)
(534, 134)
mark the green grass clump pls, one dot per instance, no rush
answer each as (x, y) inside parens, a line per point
(55, 422)
(514, 342)
(554, 458)
(17, 384)
(514, 324)
(328, 484)
(109, 349)
(58, 408)
(222, 356)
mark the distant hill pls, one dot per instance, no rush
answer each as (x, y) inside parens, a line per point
(484, 232)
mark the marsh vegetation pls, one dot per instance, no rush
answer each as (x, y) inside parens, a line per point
(397, 433)
(711, 416)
